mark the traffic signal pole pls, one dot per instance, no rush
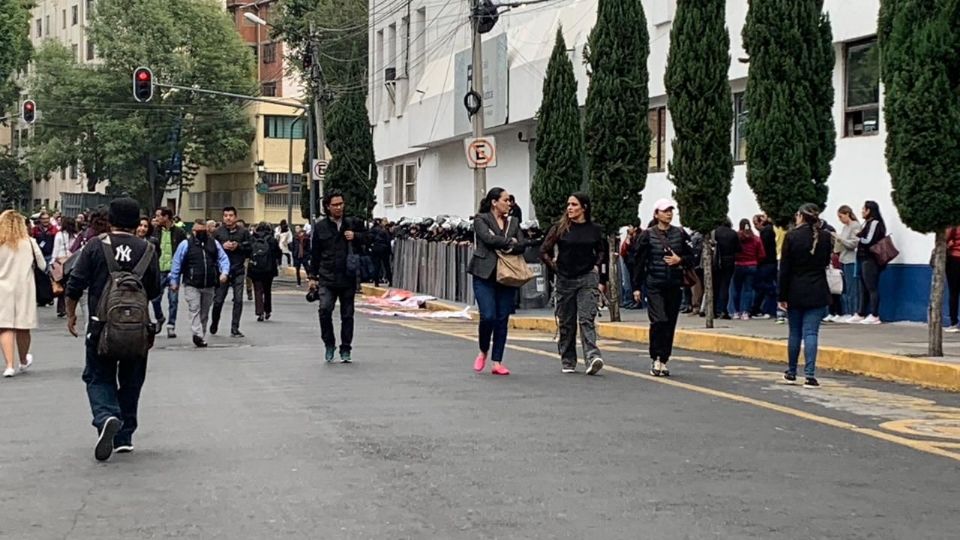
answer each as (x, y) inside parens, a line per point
(318, 88)
(476, 86)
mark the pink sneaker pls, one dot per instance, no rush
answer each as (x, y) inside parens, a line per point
(480, 362)
(500, 370)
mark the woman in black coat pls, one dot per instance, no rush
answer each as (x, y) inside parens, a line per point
(263, 268)
(804, 292)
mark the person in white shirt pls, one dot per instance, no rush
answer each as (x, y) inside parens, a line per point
(284, 238)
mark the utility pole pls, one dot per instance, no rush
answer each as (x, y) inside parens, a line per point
(476, 87)
(290, 173)
(320, 134)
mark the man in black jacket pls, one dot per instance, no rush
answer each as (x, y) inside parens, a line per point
(168, 236)
(728, 245)
(336, 239)
(765, 284)
(236, 242)
(113, 386)
(382, 251)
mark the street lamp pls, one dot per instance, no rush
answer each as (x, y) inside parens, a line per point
(255, 19)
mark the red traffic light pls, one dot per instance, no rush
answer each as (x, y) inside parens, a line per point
(142, 84)
(28, 112)
(28, 106)
(143, 75)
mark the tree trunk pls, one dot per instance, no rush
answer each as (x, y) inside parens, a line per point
(935, 309)
(706, 304)
(614, 286)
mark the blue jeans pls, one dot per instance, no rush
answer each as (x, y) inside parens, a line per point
(496, 303)
(765, 287)
(805, 327)
(173, 299)
(113, 389)
(742, 293)
(851, 289)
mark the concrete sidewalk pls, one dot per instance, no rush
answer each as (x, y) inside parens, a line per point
(894, 352)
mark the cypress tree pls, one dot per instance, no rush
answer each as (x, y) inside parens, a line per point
(919, 51)
(559, 138)
(790, 131)
(616, 134)
(352, 167)
(700, 105)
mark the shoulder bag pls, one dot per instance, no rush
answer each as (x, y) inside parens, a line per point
(884, 251)
(512, 270)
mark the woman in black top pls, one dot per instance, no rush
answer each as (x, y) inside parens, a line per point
(576, 251)
(662, 253)
(804, 292)
(874, 230)
(494, 231)
(263, 268)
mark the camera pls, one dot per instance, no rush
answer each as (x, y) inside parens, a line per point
(313, 295)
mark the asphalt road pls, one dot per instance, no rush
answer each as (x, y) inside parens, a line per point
(259, 439)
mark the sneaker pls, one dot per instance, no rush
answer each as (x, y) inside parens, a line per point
(124, 448)
(9, 372)
(664, 370)
(871, 320)
(345, 357)
(745, 317)
(764, 317)
(329, 354)
(213, 329)
(568, 369)
(949, 330)
(105, 443)
(828, 318)
(655, 367)
(266, 316)
(259, 318)
(595, 366)
(781, 320)
(500, 370)
(856, 319)
(811, 382)
(24, 367)
(790, 378)
(480, 362)
(171, 333)
(199, 342)
(236, 334)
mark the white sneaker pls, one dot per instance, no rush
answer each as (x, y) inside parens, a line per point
(23, 367)
(567, 370)
(952, 330)
(828, 318)
(595, 366)
(744, 316)
(871, 320)
(856, 319)
(9, 372)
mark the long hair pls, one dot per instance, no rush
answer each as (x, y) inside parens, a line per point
(99, 221)
(847, 211)
(746, 230)
(486, 205)
(564, 223)
(69, 226)
(283, 226)
(149, 225)
(811, 216)
(874, 209)
(13, 228)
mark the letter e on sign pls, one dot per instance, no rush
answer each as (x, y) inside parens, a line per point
(481, 152)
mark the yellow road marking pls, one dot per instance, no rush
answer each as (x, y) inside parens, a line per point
(922, 446)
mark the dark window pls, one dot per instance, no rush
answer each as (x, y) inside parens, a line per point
(39, 27)
(862, 89)
(657, 120)
(268, 89)
(269, 53)
(91, 51)
(73, 49)
(63, 18)
(278, 127)
(89, 9)
(740, 127)
(75, 15)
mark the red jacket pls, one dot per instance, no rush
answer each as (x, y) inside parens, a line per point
(751, 251)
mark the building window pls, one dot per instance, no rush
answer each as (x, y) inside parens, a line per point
(63, 174)
(73, 172)
(740, 127)
(74, 15)
(63, 18)
(220, 199)
(410, 183)
(279, 200)
(387, 174)
(46, 26)
(268, 89)
(657, 120)
(91, 51)
(269, 53)
(862, 92)
(246, 199)
(73, 48)
(89, 9)
(198, 201)
(281, 179)
(279, 127)
(39, 28)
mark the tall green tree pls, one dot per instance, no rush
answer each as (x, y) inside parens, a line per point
(14, 185)
(352, 168)
(559, 138)
(89, 114)
(699, 100)
(15, 47)
(790, 132)
(616, 134)
(919, 51)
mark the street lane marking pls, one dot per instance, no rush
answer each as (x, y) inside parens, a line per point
(922, 446)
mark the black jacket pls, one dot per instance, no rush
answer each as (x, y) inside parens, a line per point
(329, 249)
(648, 252)
(803, 276)
(91, 272)
(768, 237)
(237, 257)
(728, 245)
(380, 241)
(201, 268)
(872, 232)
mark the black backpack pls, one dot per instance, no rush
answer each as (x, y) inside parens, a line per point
(261, 259)
(123, 311)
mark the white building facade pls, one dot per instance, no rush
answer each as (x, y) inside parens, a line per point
(416, 106)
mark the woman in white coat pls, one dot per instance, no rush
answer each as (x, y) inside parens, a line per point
(18, 311)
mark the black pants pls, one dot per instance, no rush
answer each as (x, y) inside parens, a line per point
(869, 287)
(298, 264)
(113, 389)
(721, 288)
(384, 273)
(236, 283)
(263, 295)
(329, 296)
(663, 308)
(953, 282)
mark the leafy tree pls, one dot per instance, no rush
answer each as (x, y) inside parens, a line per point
(14, 186)
(559, 138)
(353, 169)
(89, 114)
(616, 133)
(790, 131)
(919, 49)
(699, 101)
(15, 47)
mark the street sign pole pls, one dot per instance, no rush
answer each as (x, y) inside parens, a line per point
(476, 86)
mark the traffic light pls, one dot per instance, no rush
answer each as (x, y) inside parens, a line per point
(142, 84)
(28, 112)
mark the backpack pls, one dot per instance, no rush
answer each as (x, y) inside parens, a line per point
(261, 259)
(123, 311)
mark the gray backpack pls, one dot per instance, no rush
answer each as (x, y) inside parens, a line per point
(123, 311)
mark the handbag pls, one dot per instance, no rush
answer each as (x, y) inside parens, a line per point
(835, 280)
(512, 270)
(884, 251)
(43, 285)
(690, 278)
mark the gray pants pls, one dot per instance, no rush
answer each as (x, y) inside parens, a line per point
(577, 305)
(199, 302)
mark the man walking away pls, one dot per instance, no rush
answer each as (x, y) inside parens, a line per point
(200, 263)
(122, 270)
(336, 239)
(169, 236)
(727, 245)
(236, 242)
(382, 252)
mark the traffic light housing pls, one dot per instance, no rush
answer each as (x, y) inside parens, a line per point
(28, 112)
(142, 84)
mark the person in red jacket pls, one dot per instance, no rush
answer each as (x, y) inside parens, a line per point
(748, 258)
(953, 275)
